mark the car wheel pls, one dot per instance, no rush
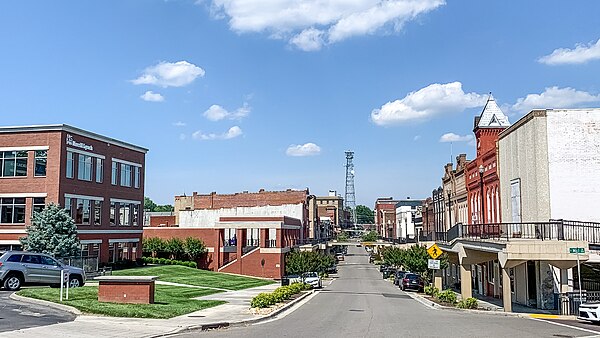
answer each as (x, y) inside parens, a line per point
(75, 282)
(13, 282)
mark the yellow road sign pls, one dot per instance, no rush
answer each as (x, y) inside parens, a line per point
(434, 251)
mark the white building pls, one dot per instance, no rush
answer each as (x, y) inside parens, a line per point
(408, 218)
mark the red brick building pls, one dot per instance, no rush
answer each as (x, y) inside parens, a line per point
(99, 180)
(385, 217)
(245, 233)
(482, 181)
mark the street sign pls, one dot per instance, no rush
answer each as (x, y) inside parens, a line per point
(576, 250)
(433, 264)
(434, 251)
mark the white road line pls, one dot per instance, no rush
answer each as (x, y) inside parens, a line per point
(597, 333)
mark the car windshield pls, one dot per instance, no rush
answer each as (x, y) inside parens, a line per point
(412, 276)
(310, 274)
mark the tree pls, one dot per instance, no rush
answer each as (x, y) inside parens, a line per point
(393, 256)
(175, 247)
(150, 206)
(297, 263)
(364, 215)
(153, 245)
(370, 236)
(52, 232)
(194, 248)
(342, 236)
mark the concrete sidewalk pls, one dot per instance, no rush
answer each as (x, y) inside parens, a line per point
(236, 311)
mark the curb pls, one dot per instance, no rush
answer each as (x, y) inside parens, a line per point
(53, 305)
(214, 326)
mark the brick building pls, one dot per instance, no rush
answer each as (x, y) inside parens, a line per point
(99, 180)
(483, 185)
(455, 190)
(325, 213)
(385, 217)
(245, 233)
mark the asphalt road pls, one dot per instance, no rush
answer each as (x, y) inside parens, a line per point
(360, 304)
(16, 315)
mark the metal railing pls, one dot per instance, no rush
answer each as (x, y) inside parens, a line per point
(570, 301)
(553, 230)
(271, 243)
(87, 263)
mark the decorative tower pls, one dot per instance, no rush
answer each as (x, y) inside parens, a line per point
(350, 198)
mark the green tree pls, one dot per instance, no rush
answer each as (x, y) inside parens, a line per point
(194, 248)
(393, 256)
(342, 237)
(364, 215)
(297, 263)
(370, 236)
(415, 260)
(153, 245)
(175, 247)
(52, 232)
(150, 206)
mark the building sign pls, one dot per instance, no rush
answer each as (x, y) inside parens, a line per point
(73, 143)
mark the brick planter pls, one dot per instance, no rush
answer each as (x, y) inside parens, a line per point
(126, 289)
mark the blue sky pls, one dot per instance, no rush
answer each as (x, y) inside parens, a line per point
(233, 95)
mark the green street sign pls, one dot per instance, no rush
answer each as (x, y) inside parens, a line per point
(576, 250)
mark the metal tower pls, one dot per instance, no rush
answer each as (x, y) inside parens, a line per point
(350, 197)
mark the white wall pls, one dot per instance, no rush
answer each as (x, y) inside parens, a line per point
(206, 218)
(574, 164)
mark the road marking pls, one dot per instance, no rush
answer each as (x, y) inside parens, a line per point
(543, 316)
(569, 326)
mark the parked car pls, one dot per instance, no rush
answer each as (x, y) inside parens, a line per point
(313, 279)
(18, 268)
(412, 281)
(290, 279)
(386, 273)
(331, 269)
(339, 257)
(398, 276)
(383, 267)
(589, 312)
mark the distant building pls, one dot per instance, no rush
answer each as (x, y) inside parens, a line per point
(325, 213)
(455, 190)
(385, 217)
(428, 219)
(97, 179)
(409, 219)
(439, 211)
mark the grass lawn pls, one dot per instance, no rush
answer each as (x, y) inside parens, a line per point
(170, 301)
(185, 275)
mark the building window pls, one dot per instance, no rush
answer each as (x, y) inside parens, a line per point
(39, 203)
(82, 215)
(70, 164)
(13, 163)
(114, 171)
(136, 177)
(41, 160)
(97, 212)
(136, 210)
(68, 206)
(112, 213)
(99, 170)
(124, 214)
(12, 210)
(84, 168)
(125, 175)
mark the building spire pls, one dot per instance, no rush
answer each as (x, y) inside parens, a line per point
(492, 116)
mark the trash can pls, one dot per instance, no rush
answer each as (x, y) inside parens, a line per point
(285, 281)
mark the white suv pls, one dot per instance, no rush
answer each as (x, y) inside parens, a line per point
(312, 278)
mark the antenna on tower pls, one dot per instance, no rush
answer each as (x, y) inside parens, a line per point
(350, 197)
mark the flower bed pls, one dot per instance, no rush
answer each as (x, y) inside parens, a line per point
(448, 298)
(281, 294)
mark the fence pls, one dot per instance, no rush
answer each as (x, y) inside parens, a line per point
(570, 301)
(87, 263)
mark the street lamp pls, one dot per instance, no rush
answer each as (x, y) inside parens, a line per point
(481, 170)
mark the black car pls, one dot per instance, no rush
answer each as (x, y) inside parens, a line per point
(387, 272)
(412, 281)
(383, 267)
(399, 276)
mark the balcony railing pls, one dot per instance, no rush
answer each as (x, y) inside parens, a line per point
(553, 230)
(271, 243)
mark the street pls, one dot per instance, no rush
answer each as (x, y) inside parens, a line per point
(360, 304)
(16, 315)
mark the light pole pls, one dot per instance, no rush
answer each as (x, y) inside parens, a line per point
(481, 169)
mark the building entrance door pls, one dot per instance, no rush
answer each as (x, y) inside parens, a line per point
(531, 284)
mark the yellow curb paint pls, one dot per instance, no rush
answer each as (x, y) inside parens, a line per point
(543, 316)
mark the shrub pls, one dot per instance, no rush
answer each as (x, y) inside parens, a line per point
(469, 303)
(447, 296)
(280, 294)
(262, 300)
(431, 290)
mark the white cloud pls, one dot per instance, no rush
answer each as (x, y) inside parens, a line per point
(426, 103)
(217, 113)
(307, 149)
(179, 124)
(233, 132)
(580, 54)
(452, 137)
(168, 74)
(554, 97)
(151, 96)
(417, 137)
(309, 24)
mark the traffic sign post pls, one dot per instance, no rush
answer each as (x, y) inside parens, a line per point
(433, 264)
(578, 251)
(64, 280)
(434, 251)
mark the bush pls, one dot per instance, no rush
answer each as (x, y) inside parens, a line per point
(447, 296)
(263, 300)
(280, 294)
(431, 290)
(469, 303)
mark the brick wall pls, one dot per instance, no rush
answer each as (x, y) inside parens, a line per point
(162, 221)
(244, 199)
(250, 265)
(131, 293)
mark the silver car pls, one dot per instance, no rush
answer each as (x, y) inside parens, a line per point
(18, 268)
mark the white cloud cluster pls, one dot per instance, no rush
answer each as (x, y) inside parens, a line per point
(554, 97)
(170, 74)
(426, 103)
(151, 96)
(580, 54)
(233, 132)
(307, 149)
(452, 137)
(309, 24)
(179, 124)
(217, 113)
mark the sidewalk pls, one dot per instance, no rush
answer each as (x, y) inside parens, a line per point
(236, 311)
